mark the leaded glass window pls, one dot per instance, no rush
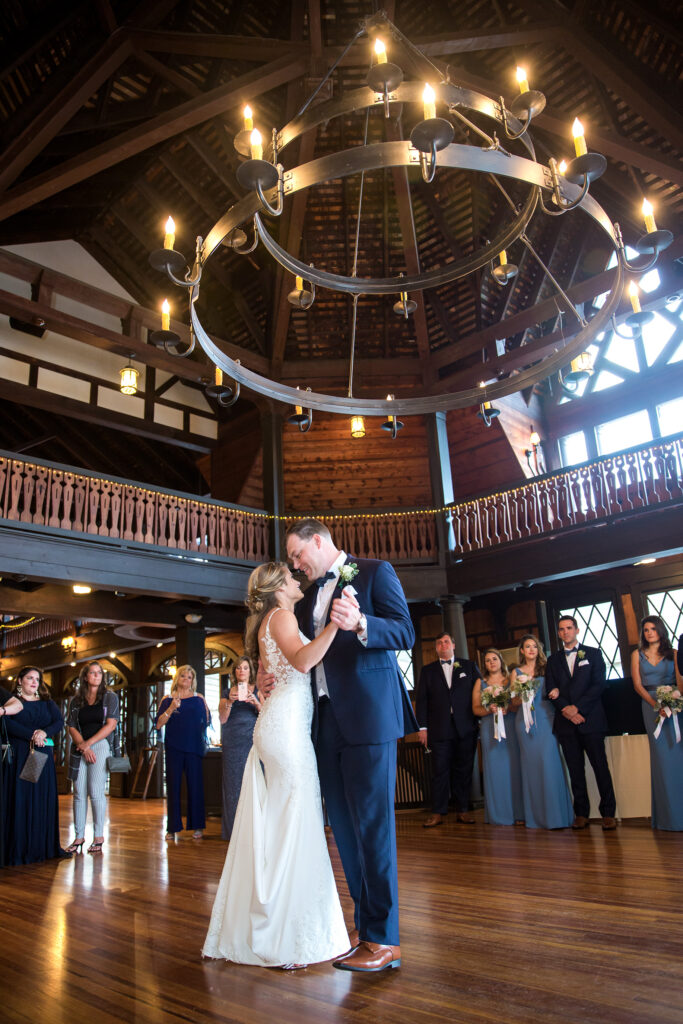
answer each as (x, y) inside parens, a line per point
(598, 628)
(668, 604)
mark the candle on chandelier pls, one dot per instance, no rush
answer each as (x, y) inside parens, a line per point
(429, 101)
(169, 237)
(648, 215)
(248, 118)
(522, 79)
(503, 258)
(256, 145)
(634, 296)
(380, 51)
(562, 167)
(299, 283)
(165, 316)
(218, 377)
(390, 398)
(579, 139)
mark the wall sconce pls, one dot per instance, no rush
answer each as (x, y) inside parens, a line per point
(357, 426)
(534, 455)
(129, 379)
(68, 643)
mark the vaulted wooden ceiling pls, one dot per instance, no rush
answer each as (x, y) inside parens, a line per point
(116, 113)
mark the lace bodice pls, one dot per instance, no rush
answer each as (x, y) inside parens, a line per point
(284, 672)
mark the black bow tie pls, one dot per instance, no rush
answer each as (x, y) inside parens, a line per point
(446, 662)
(323, 579)
(572, 650)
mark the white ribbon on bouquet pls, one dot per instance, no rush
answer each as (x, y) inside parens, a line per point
(499, 725)
(527, 710)
(669, 714)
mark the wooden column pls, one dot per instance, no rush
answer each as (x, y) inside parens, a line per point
(454, 622)
(441, 478)
(273, 484)
(189, 642)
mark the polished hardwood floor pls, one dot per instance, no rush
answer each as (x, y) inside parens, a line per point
(498, 925)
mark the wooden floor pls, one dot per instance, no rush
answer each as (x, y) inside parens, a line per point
(498, 924)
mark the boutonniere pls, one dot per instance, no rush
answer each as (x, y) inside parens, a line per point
(456, 664)
(347, 573)
(580, 655)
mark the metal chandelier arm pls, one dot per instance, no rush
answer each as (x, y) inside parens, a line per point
(343, 405)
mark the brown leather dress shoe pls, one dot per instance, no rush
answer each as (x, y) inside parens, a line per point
(608, 824)
(579, 822)
(465, 818)
(433, 820)
(370, 957)
(354, 940)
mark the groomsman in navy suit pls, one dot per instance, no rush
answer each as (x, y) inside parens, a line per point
(574, 680)
(448, 726)
(361, 708)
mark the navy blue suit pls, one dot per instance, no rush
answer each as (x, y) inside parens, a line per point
(452, 730)
(355, 734)
(582, 688)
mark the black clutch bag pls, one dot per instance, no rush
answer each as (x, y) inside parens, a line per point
(118, 764)
(33, 766)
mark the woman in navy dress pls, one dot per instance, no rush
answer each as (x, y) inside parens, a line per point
(32, 809)
(237, 711)
(547, 800)
(503, 802)
(653, 665)
(185, 716)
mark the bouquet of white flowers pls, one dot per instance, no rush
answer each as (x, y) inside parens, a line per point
(669, 701)
(496, 698)
(525, 687)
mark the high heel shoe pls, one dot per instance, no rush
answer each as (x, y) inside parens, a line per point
(76, 846)
(96, 846)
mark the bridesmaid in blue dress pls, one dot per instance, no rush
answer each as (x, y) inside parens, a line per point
(653, 665)
(547, 800)
(237, 711)
(503, 801)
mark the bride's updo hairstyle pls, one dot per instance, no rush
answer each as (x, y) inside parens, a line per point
(264, 583)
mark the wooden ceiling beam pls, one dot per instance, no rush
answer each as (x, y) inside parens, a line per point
(63, 106)
(217, 46)
(158, 129)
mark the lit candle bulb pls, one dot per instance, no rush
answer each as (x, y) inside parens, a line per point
(522, 79)
(404, 300)
(503, 258)
(648, 215)
(256, 145)
(429, 101)
(218, 377)
(380, 51)
(248, 118)
(562, 168)
(165, 316)
(579, 140)
(486, 406)
(299, 283)
(634, 297)
(169, 237)
(390, 398)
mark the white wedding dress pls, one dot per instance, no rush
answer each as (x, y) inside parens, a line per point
(277, 902)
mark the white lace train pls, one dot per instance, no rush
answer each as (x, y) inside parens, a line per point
(277, 902)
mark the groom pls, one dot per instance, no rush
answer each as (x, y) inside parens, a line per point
(360, 709)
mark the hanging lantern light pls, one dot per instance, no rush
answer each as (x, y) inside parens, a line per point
(129, 379)
(357, 426)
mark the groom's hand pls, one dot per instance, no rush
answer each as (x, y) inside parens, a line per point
(345, 613)
(265, 681)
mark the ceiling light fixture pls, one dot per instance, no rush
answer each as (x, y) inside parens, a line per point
(430, 147)
(81, 588)
(129, 378)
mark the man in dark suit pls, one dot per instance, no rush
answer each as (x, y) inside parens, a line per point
(574, 680)
(449, 727)
(361, 708)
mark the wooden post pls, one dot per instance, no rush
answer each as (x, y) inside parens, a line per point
(273, 484)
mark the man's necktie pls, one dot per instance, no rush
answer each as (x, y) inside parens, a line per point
(323, 579)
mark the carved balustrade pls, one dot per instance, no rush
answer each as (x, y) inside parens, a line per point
(65, 499)
(643, 477)
(399, 537)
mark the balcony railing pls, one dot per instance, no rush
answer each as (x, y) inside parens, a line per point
(644, 477)
(400, 537)
(47, 494)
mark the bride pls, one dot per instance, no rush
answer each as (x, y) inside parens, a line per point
(277, 903)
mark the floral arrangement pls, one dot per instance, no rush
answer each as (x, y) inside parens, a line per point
(347, 573)
(525, 687)
(495, 697)
(669, 701)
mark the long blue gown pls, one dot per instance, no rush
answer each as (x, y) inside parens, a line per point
(32, 817)
(666, 756)
(503, 800)
(547, 800)
(236, 742)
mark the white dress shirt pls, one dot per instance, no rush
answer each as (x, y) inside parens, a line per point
(570, 655)
(320, 608)
(448, 672)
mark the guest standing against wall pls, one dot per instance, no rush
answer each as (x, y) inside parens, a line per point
(92, 719)
(237, 711)
(653, 665)
(184, 715)
(449, 727)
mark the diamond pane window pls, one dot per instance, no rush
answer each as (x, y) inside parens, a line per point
(606, 380)
(624, 432)
(678, 354)
(598, 628)
(622, 352)
(405, 665)
(655, 336)
(668, 604)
